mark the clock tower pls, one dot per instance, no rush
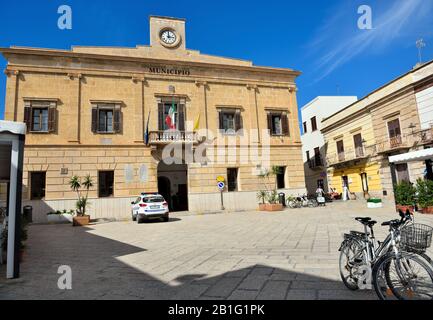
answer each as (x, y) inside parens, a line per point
(167, 33)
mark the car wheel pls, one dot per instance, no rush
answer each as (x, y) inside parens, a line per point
(134, 218)
(139, 220)
(166, 219)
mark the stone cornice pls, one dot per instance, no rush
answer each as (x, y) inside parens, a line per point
(148, 76)
(70, 54)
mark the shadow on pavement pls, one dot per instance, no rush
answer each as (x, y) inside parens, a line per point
(100, 273)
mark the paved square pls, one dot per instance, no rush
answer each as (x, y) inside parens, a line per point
(251, 255)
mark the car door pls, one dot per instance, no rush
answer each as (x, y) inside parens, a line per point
(136, 206)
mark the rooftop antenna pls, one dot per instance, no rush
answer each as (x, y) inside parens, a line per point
(420, 44)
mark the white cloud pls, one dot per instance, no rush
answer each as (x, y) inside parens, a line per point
(341, 40)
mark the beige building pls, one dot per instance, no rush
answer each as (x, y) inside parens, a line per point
(394, 119)
(88, 111)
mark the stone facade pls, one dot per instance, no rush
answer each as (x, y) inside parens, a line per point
(136, 80)
(388, 120)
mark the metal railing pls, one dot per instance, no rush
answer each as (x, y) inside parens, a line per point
(394, 143)
(316, 162)
(347, 155)
(169, 136)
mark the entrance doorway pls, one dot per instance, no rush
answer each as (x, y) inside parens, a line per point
(173, 185)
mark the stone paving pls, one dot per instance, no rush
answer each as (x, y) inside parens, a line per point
(250, 255)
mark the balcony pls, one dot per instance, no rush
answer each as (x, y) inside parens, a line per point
(167, 137)
(426, 136)
(395, 144)
(347, 157)
(316, 163)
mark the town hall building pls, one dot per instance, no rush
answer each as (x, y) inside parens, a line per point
(111, 112)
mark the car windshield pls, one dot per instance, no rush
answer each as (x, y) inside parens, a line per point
(153, 199)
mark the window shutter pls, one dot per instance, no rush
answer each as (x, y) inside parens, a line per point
(160, 116)
(181, 117)
(52, 118)
(285, 124)
(95, 119)
(117, 120)
(270, 123)
(238, 120)
(221, 120)
(28, 117)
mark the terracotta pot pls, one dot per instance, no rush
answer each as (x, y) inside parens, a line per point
(405, 208)
(81, 221)
(428, 210)
(274, 207)
(262, 207)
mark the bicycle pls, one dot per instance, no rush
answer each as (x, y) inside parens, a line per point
(302, 202)
(360, 252)
(411, 276)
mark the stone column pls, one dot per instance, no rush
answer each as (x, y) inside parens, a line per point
(294, 116)
(254, 107)
(74, 110)
(11, 101)
(139, 118)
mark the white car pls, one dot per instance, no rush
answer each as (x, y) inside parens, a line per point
(150, 206)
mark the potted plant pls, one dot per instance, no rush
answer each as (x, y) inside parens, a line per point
(273, 202)
(405, 196)
(374, 203)
(424, 189)
(261, 196)
(81, 219)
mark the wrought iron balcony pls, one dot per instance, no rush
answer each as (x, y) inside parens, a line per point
(341, 158)
(395, 143)
(426, 136)
(172, 136)
(316, 163)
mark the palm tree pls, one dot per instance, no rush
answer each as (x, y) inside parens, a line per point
(76, 185)
(87, 183)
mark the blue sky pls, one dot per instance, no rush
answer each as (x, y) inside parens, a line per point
(319, 38)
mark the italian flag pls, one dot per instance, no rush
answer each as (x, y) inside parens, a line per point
(171, 117)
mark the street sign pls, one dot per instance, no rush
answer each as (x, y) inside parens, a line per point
(221, 179)
(221, 186)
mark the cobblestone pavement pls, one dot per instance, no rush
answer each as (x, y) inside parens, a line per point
(251, 255)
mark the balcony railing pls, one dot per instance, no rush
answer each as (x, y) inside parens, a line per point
(395, 143)
(316, 163)
(426, 136)
(166, 137)
(346, 156)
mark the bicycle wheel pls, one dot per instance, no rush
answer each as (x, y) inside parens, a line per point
(407, 276)
(351, 259)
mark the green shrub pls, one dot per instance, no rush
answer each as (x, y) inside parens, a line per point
(405, 194)
(425, 192)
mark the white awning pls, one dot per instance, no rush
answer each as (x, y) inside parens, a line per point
(12, 127)
(420, 155)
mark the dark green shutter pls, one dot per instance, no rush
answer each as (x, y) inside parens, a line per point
(160, 117)
(181, 118)
(117, 120)
(285, 124)
(28, 117)
(94, 119)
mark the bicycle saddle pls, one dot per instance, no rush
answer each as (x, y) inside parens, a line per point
(363, 220)
(366, 221)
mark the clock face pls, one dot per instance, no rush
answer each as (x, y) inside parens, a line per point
(169, 37)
